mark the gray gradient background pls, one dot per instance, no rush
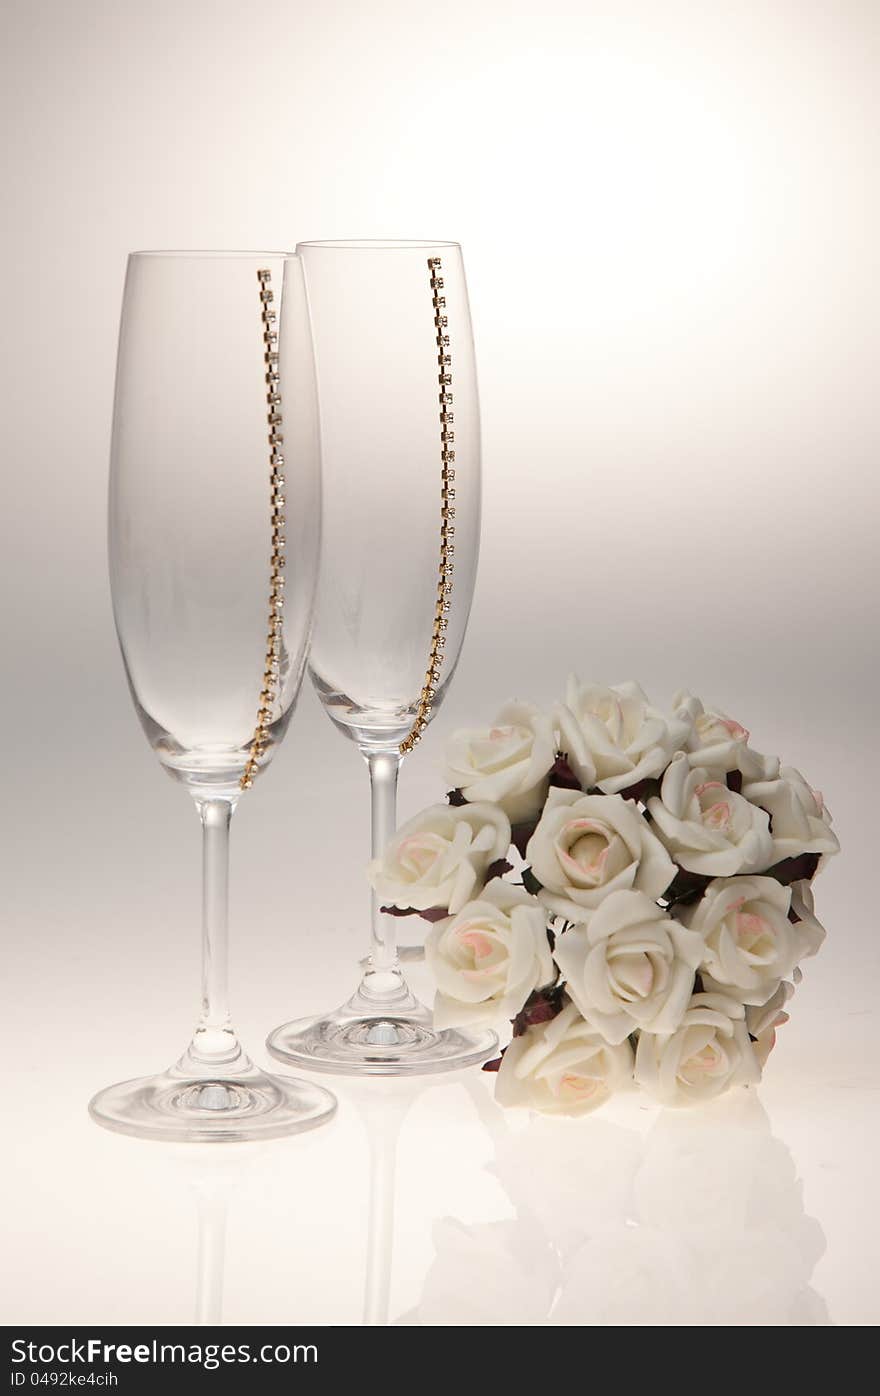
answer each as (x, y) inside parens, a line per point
(669, 215)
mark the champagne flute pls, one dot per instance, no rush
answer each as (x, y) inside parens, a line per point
(214, 529)
(400, 437)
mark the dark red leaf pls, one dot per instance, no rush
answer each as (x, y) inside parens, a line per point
(498, 868)
(685, 887)
(530, 882)
(541, 1006)
(562, 775)
(520, 835)
(790, 870)
(643, 790)
(433, 913)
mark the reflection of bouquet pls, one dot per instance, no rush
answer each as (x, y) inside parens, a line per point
(699, 1222)
(662, 905)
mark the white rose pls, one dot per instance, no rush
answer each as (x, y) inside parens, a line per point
(750, 943)
(437, 859)
(507, 763)
(631, 966)
(563, 1067)
(799, 820)
(587, 846)
(706, 827)
(709, 1053)
(488, 958)
(762, 1021)
(719, 743)
(613, 737)
(809, 928)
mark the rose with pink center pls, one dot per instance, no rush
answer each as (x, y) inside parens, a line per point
(750, 942)
(575, 1087)
(754, 934)
(587, 846)
(488, 958)
(800, 821)
(562, 1067)
(718, 743)
(763, 1021)
(438, 859)
(717, 816)
(478, 941)
(706, 827)
(709, 1058)
(420, 852)
(709, 1053)
(507, 763)
(630, 967)
(614, 737)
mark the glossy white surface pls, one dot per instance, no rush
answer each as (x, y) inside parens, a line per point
(424, 1204)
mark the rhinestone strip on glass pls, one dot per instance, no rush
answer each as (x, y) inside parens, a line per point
(269, 693)
(447, 514)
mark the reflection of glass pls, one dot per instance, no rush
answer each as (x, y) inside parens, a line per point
(401, 454)
(213, 1204)
(384, 1109)
(383, 1114)
(196, 544)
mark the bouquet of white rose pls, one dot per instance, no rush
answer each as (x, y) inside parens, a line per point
(631, 889)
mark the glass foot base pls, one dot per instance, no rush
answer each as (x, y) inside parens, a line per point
(363, 1039)
(190, 1104)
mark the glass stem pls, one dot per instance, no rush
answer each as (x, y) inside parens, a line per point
(214, 1040)
(383, 976)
